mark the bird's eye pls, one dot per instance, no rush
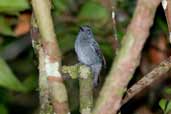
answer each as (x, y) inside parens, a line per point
(89, 32)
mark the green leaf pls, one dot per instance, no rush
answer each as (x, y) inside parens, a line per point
(5, 28)
(30, 83)
(95, 12)
(9, 6)
(8, 79)
(168, 108)
(3, 109)
(59, 5)
(162, 104)
(167, 90)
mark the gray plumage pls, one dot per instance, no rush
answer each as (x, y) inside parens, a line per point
(88, 52)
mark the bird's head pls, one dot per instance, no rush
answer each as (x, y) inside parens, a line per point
(86, 31)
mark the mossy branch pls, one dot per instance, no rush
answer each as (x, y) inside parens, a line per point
(86, 90)
(71, 70)
(83, 73)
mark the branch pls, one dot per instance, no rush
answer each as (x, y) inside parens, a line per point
(52, 56)
(167, 9)
(86, 90)
(86, 86)
(71, 70)
(147, 80)
(127, 59)
(45, 107)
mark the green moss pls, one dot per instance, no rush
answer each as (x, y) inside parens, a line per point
(71, 70)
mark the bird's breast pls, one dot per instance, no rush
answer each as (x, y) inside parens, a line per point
(86, 54)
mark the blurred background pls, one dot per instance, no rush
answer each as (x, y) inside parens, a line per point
(19, 93)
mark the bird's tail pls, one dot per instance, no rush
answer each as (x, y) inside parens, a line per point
(96, 68)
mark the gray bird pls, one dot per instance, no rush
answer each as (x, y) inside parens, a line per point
(88, 52)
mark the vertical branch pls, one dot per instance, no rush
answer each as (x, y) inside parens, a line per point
(45, 107)
(86, 85)
(52, 56)
(127, 58)
(167, 9)
(86, 90)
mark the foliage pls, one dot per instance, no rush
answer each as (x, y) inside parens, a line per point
(8, 79)
(3, 109)
(13, 6)
(165, 104)
(10, 7)
(95, 12)
(5, 27)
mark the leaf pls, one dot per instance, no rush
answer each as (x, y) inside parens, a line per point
(30, 82)
(168, 108)
(9, 6)
(8, 79)
(5, 28)
(167, 90)
(59, 5)
(162, 104)
(3, 109)
(94, 11)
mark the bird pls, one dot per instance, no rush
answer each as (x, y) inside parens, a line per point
(89, 53)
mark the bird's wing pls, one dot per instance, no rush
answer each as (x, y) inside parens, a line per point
(97, 50)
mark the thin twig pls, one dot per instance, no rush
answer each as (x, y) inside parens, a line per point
(114, 2)
(127, 59)
(52, 56)
(147, 80)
